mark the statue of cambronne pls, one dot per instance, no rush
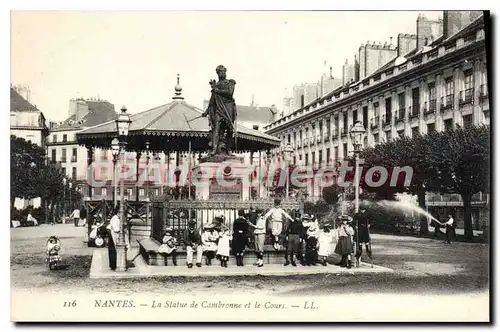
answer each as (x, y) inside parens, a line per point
(221, 114)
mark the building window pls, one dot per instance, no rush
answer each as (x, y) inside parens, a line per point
(415, 98)
(65, 138)
(289, 138)
(54, 138)
(355, 116)
(294, 137)
(376, 109)
(376, 138)
(448, 124)
(300, 136)
(328, 156)
(320, 128)
(467, 120)
(255, 127)
(401, 100)
(414, 132)
(295, 160)
(63, 157)
(365, 117)
(345, 150)
(468, 80)
(313, 157)
(320, 157)
(104, 191)
(388, 110)
(302, 103)
(300, 157)
(63, 170)
(449, 87)
(306, 157)
(345, 123)
(431, 127)
(432, 91)
(73, 173)
(336, 153)
(53, 151)
(142, 192)
(74, 155)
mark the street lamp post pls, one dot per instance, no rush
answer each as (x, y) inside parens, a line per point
(64, 200)
(122, 126)
(70, 185)
(115, 150)
(357, 131)
(288, 150)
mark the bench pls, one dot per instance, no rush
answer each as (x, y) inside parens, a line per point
(148, 248)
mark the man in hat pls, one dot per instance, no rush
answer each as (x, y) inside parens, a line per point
(362, 235)
(192, 240)
(276, 213)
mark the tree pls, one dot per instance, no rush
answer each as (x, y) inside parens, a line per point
(401, 152)
(50, 184)
(459, 162)
(26, 161)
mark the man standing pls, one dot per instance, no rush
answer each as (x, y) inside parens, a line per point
(277, 214)
(362, 235)
(192, 240)
(76, 216)
(449, 228)
(113, 234)
(221, 113)
(240, 237)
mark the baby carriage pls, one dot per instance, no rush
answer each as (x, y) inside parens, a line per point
(53, 259)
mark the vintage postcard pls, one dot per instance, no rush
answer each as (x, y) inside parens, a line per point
(250, 166)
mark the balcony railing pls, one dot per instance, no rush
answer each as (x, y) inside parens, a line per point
(466, 96)
(483, 93)
(414, 111)
(447, 102)
(428, 109)
(386, 120)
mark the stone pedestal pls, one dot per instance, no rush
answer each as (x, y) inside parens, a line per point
(227, 180)
(121, 257)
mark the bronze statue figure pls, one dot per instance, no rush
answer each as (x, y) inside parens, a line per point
(221, 114)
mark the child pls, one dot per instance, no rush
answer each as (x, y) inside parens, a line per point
(223, 245)
(169, 246)
(53, 248)
(344, 245)
(325, 240)
(312, 227)
(277, 214)
(260, 236)
(209, 240)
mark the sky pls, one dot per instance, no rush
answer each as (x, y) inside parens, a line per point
(133, 58)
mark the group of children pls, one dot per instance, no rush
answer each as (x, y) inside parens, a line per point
(304, 240)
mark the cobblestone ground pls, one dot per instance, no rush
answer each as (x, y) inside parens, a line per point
(421, 265)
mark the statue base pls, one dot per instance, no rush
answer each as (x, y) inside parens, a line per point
(226, 180)
(221, 157)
